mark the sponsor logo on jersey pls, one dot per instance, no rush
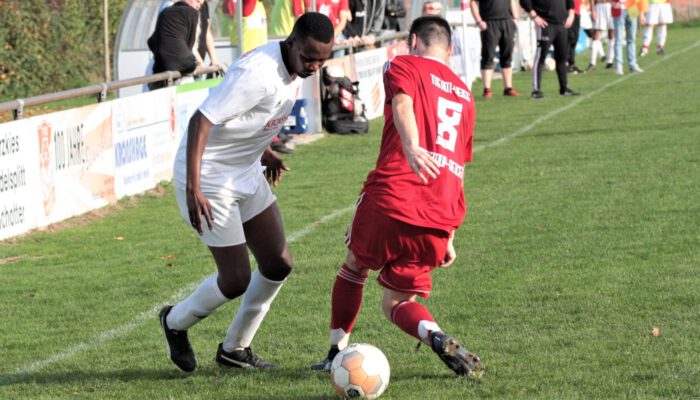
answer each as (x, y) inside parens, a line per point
(449, 87)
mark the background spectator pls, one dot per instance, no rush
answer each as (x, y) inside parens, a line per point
(496, 21)
(173, 39)
(283, 15)
(660, 13)
(625, 13)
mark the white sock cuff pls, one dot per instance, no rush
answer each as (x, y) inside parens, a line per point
(256, 274)
(425, 327)
(340, 338)
(212, 282)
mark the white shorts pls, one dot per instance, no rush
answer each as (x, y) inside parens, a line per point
(659, 13)
(603, 17)
(230, 211)
(586, 22)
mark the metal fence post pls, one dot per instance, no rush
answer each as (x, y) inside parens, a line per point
(18, 113)
(102, 96)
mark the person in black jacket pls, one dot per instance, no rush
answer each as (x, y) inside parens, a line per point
(551, 18)
(173, 39)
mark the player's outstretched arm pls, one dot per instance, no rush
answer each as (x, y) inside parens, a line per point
(197, 204)
(420, 161)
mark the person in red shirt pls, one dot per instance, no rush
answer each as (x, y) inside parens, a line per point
(413, 201)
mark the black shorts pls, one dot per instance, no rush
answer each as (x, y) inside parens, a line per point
(501, 33)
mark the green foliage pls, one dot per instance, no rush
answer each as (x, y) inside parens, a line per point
(52, 45)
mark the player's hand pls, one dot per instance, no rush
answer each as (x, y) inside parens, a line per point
(482, 25)
(421, 162)
(540, 22)
(274, 167)
(569, 21)
(198, 206)
(450, 255)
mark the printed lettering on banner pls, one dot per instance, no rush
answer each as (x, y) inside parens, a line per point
(145, 130)
(74, 161)
(19, 183)
(369, 66)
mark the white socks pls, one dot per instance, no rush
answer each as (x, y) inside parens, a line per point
(647, 36)
(339, 338)
(202, 302)
(611, 51)
(256, 302)
(661, 35)
(596, 48)
(424, 329)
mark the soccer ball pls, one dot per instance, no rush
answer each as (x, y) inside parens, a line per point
(360, 371)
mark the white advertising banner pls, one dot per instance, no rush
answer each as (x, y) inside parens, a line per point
(144, 129)
(76, 163)
(20, 197)
(369, 66)
(187, 104)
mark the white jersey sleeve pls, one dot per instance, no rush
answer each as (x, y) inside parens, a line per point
(239, 92)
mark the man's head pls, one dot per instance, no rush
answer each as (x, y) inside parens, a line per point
(430, 35)
(432, 8)
(309, 45)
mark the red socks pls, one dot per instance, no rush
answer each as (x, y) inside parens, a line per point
(414, 319)
(346, 299)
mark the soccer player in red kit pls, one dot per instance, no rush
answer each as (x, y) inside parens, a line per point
(413, 201)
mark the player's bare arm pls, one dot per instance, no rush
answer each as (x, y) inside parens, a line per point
(274, 167)
(420, 161)
(569, 19)
(197, 204)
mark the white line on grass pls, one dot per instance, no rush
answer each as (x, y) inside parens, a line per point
(142, 317)
(528, 128)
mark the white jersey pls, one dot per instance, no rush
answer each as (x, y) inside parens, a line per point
(248, 109)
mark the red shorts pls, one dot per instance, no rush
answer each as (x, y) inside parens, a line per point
(405, 254)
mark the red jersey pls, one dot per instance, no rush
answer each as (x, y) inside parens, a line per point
(332, 9)
(445, 113)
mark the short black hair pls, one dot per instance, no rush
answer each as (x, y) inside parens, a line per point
(313, 25)
(432, 29)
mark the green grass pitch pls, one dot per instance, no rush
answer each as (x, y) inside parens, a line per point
(582, 235)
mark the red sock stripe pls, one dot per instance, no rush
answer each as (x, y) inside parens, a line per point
(346, 299)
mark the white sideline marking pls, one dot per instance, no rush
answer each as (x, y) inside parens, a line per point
(141, 318)
(578, 101)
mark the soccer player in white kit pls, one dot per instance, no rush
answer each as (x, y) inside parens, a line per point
(601, 14)
(222, 173)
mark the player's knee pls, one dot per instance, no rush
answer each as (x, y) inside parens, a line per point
(233, 285)
(278, 267)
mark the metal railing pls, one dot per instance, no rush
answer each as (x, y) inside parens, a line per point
(17, 106)
(101, 89)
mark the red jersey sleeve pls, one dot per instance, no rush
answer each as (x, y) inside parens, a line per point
(249, 7)
(398, 78)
